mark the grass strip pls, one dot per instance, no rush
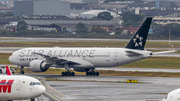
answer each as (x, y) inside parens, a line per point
(111, 73)
(88, 81)
(155, 62)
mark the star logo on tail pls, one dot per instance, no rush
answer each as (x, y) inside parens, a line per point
(138, 40)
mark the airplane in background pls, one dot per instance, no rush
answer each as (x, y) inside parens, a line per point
(84, 59)
(18, 87)
(173, 95)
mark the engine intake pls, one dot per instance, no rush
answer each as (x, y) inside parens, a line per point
(38, 66)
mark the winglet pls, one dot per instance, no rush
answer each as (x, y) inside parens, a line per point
(8, 70)
(138, 41)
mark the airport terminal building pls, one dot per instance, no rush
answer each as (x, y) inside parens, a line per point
(47, 7)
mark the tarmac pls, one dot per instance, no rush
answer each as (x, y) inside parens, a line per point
(107, 88)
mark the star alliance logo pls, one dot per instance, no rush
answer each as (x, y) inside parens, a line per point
(138, 40)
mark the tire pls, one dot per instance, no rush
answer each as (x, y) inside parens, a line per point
(22, 72)
(90, 73)
(72, 74)
(94, 73)
(66, 74)
(62, 73)
(97, 73)
(87, 73)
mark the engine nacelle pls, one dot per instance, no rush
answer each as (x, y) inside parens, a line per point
(83, 67)
(38, 66)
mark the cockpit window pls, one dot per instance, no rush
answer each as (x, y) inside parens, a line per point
(34, 83)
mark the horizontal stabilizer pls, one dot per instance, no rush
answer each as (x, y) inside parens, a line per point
(163, 52)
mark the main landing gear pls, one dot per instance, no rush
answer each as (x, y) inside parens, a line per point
(68, 73)
(21, 70)
(92, 73)
(32, 99)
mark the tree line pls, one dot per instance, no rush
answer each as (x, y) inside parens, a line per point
(107, 1)
(81, 30)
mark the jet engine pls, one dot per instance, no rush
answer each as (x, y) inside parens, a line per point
(38, 66)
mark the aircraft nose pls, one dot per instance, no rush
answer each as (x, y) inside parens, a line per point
(10, 59)
(42, 90)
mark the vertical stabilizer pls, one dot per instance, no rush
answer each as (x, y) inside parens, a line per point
(8, 70)
(138, 41)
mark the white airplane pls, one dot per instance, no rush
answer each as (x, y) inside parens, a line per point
(84, 59)
(18, 87)
(173, 95)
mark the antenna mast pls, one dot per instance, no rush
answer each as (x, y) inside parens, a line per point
(169, 39)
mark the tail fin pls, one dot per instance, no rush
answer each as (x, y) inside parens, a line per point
(8, 70)
(138, 41)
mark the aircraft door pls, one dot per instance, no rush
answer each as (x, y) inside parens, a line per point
(178, 97)
(18, 85)
(116, 55)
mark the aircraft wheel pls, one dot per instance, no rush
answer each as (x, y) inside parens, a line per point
(66, 74)
(90, 73)
(87, 73)
(72, 74)
(97, 73)
(94, 73)
(21, 72)
(62, 74)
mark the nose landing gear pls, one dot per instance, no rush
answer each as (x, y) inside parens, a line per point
(21, 70)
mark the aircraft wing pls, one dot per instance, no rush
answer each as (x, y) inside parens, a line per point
(61, 60)
(47, 57)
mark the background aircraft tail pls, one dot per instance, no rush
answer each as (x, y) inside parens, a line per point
(8, 70)
(138, 41)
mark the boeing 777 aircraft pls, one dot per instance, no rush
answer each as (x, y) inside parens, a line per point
(18, 87)
(84, 59)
